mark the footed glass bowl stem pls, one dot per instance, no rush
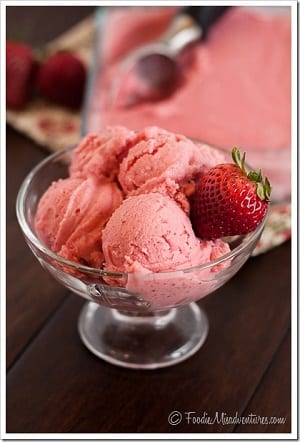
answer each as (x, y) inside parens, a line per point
(143, 340)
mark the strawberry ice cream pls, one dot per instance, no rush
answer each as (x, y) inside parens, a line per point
(162, 155)
(99, 154)
(147, 237)
(71, 215)
(126, 208)
(236, 88)
(150, 232)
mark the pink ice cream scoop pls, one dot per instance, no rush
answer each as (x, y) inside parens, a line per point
(71, 215)
(161, 154)
(100, 154)
(149, 232)
(152, 239)
(165, 162)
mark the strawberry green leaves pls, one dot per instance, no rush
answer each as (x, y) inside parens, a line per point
(263, 184)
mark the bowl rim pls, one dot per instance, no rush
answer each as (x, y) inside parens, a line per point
(30, 235)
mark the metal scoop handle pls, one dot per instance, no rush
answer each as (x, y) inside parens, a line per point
(205, 16)
(190, 24)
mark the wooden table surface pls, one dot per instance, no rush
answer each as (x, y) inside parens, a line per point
(55, 385)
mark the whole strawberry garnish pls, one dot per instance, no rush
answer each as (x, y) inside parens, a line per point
(20, 69)
(229, 201)
(61, 79)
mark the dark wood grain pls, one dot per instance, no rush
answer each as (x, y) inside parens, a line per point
(32, 294)
(38, 25)
(27, 305)
(273, 396)
(248, 318)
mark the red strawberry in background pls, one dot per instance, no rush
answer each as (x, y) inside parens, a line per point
(229, 201)
(61, 79)
(20, 70)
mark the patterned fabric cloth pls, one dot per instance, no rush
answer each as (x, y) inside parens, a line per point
(55, 128)
(277, 229)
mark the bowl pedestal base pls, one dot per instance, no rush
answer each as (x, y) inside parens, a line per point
(143, 341)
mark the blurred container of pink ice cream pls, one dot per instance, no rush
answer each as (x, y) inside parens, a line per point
(236, 90)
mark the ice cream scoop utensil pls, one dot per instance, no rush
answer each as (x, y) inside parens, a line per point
(152, 72)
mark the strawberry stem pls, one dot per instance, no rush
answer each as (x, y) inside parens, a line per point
(236, 156)
(263, 186)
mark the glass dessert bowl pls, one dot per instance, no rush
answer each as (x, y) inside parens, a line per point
(141, 320)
